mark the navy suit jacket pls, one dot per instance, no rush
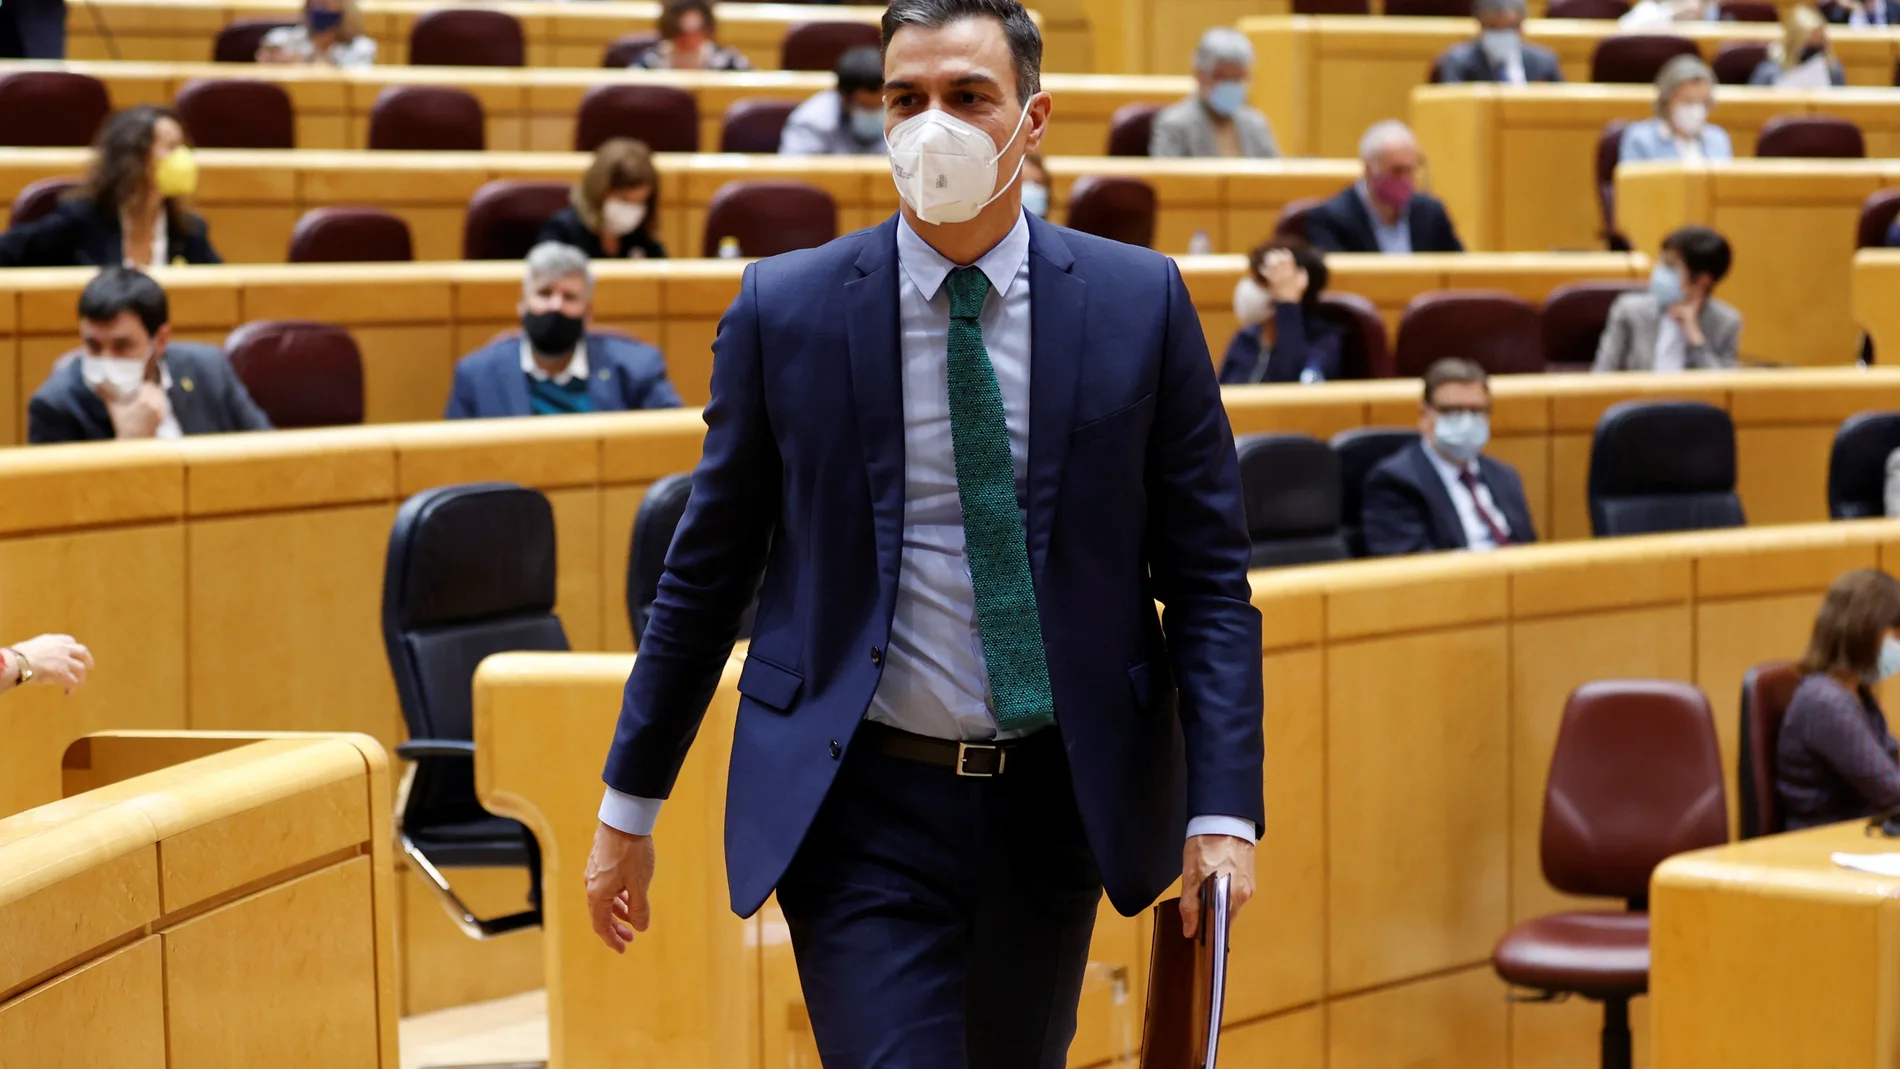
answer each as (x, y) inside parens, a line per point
(1467, 62)
(1342, 224)
(622, 374)
(80, 234)
(206, 397)
(1406, 508)
(1133, 496)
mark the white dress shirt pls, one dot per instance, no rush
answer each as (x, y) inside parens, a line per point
(576, 366)
(934, 681)
(1672, 349)
(1477, 535)
(167, 427)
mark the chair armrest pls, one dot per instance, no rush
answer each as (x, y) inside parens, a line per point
(416, 749)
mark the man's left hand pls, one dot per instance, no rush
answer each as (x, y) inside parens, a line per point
(1211, 855)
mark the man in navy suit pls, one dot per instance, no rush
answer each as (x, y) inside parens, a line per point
(557, 366)
(1499, 53)
(970, 451)
(1384, 211)
(1442, 492)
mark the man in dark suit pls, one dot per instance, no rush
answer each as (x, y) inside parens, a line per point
(1499, 53)
(131, 380)
(960, 719)
(32, 29)
(1384, 212)
(556, 365)
(1442, 492)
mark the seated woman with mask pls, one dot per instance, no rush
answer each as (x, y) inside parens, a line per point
(1802, 59)
(1835, 759)
(331, 32)
(1284, 279)
(1685, 88)
(613, 206)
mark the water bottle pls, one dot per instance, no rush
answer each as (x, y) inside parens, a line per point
(1310, 376)
(1200, 244)
(728, 248)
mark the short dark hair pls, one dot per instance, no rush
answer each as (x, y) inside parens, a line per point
(1856, 612)
(1306, 256)
(1703, 251)
(121, 289)
(671, 13)
(859, 68)
(1025, 41)
(1453, 369)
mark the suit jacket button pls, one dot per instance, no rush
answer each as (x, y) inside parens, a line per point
(877, 655)
(835, 749)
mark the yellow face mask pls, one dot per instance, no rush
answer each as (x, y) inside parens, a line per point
(177, 174)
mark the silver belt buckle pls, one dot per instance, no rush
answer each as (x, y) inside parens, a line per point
(964, 750)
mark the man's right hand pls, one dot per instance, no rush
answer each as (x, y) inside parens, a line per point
(619, 869)
(139, 415)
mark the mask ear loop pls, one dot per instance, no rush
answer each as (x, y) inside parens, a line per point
(1019, 162)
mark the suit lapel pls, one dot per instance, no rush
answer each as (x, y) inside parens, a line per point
(513, 382)
(187, 398)
(1368, 236)
(1449, 529)
(603, 386)
(1056, 324)
(877, 388)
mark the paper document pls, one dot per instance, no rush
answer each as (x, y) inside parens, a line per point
(1878, 864)
(1810, 75)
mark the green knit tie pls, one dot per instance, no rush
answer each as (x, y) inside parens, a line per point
(992, 525)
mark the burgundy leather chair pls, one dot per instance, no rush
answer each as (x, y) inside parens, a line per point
(239, 41)
(1363, 351)
(466, 37)
(769, 218)
(816, 46)
(1573, 318)
(51, 109)
(1120, 209)
(1877, 214)
(1292, 221)
(434, 118)
(1635, 59)
(755, 125)
(302, 374)
(236, 113)
(1810, 137)
(1735, 61)
(665, 117)
(1586, 9)
(1609, 148)
(1496, 330)
(1332, 7)
(1453, 9)
(1636, 778)
(505, 217)
(627, 48)
(1749, 11)
(1131, 128)
(350, 235)
(39, 199)
(1766, 691)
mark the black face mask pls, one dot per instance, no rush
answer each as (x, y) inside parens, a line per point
(552, 333)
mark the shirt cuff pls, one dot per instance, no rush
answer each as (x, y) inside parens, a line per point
(1235, 826)
(635, 816)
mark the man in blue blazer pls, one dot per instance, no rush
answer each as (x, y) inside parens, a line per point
(1384, 211)
(969, 451)
(1499, 53)
(557, 366)
(1441, 492)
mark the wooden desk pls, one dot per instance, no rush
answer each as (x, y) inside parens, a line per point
(1876, 280)
(1765, 954)
(1791, 224)
(534, 108)
(1323, 80)
(234, 909)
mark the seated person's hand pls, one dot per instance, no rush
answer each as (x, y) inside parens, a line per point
(139, 415)
(1688, 315)
(57, 660)
(274, 54)
(1286, 280)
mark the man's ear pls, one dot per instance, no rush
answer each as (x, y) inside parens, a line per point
(1038, 124)
(160, 339)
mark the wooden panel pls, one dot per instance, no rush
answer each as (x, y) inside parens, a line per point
(1770, 461)
(65, 921)
(1733, 636)
(288, 469)
(110, 1012)
(1448, 1022)
(1295, 1041)
(578, 556)
(214, 858)
(441, 967)
(1568, 1035)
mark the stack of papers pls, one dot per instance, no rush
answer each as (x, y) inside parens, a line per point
(1878, 864)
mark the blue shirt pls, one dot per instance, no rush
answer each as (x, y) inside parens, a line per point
(1393, 240)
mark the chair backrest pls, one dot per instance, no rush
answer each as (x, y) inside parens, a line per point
(769, 218)
(1736, 61)
(1332, 7)
(654, 522)
(816, 46)
(1363, 351)
(505, 217)
(1749, 11)
(240, 39)
(625, 50)
(1636, 778)
(1663, 466)
(1810, 137)
(755, 125)
(1573, 318)
(1131, 128)
(1453, 9)
(344, 235)
(1497, 330)
(1609, 148)
(302, 374)
(40, 199)
(1292, 220)
(1290, 484)
(429, 118)
(1766, 691)
(51, 109)
(1586, 9)
(1877, 214)
(467, 37)
(1114, 207)
(1636, 58)
(1857, 465)
(1359, 451)
(664, 116)
(237, 113)
(470, 572)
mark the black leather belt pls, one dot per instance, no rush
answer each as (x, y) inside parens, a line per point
(978, 759)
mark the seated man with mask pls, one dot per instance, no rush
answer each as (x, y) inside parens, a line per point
(1442, 492)
(1384, 211)
(1216, 121)
(556, 365)
(131, 380)
(1499, 53)
(846, 121)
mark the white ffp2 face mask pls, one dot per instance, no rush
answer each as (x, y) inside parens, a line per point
(945, 169)
(120, 376)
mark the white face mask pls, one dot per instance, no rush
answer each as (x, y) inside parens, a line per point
(621, 218)
(945, 169)
(1251, 303)
(120, 376)
(1688, 118)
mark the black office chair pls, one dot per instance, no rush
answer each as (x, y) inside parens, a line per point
(1857, 465)
(1360, 450)
(470, 573)
(653, 526)
(1660, 466)
(1290, 484)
